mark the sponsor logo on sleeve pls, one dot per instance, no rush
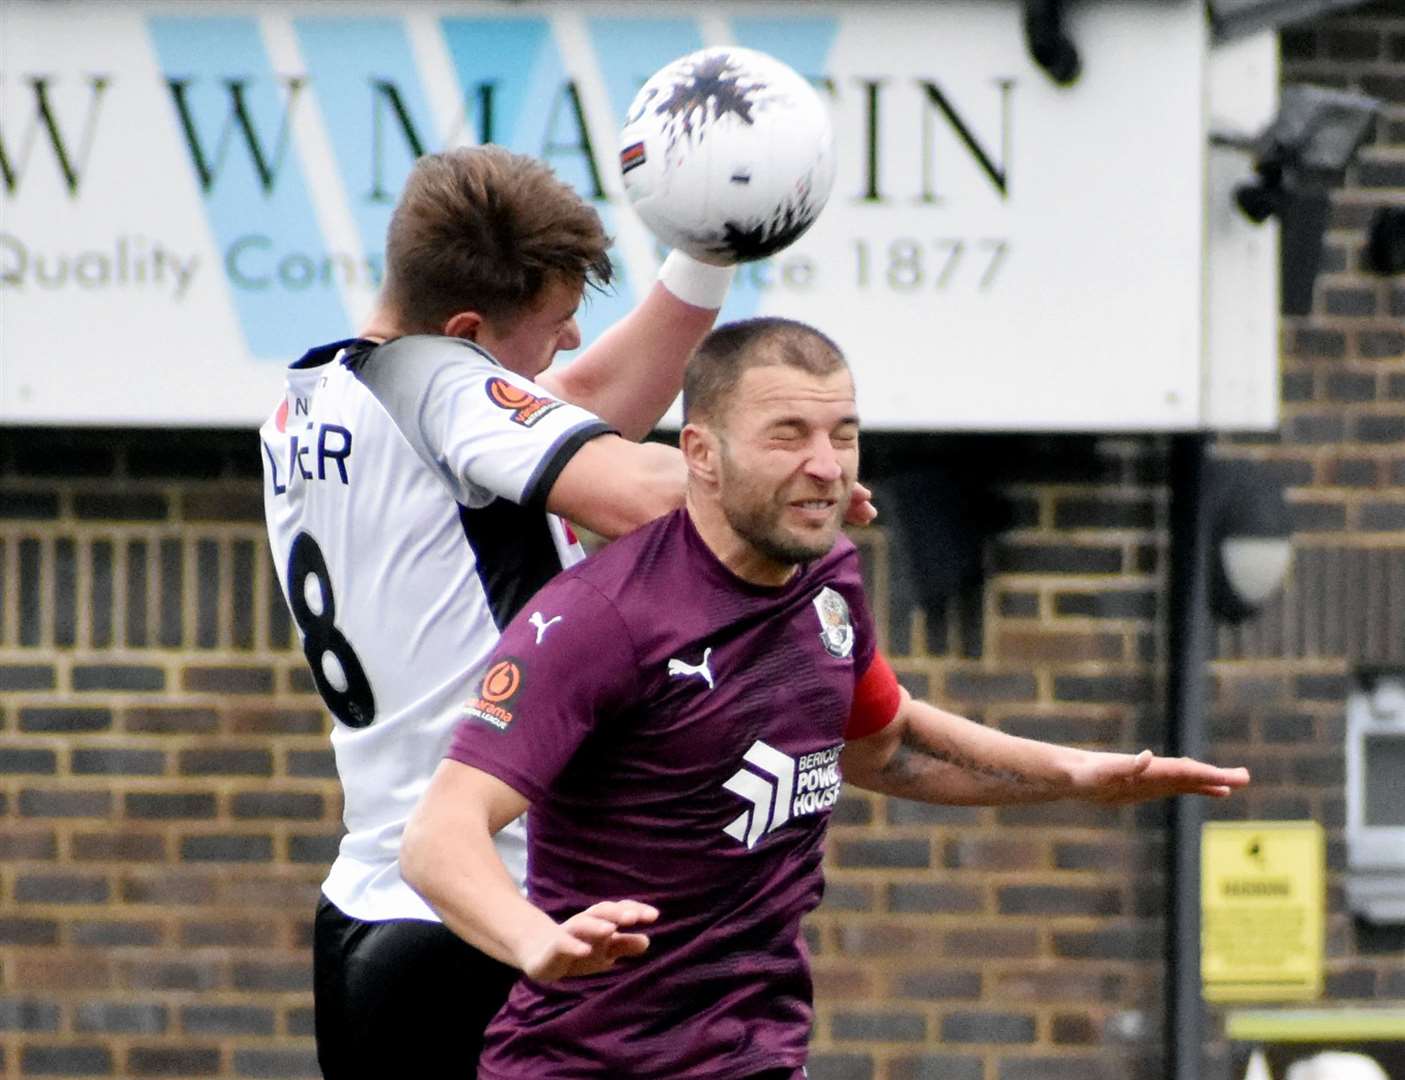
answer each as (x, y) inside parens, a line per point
(836, 630)
(496, 693)
(526, 408)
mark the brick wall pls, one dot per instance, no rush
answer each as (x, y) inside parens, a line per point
(167, 803)
(166, 785)
(1019, 943)
(169, 807)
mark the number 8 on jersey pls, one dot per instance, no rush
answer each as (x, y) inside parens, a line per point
(351, 702)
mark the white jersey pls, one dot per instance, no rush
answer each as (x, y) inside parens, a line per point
(405, 488)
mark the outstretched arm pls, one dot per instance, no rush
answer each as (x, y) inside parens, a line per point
(930, 755)
(448, 857)
(631, 375)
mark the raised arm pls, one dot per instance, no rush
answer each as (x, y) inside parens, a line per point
(612, 485)
(628, 378)
(930, 755)
(633, 372)
(448, 857)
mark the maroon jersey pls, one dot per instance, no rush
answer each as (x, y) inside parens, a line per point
(677, 731)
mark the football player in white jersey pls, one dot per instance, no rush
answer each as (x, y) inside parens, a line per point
(418, 481)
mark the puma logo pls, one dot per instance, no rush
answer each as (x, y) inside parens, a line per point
(678, 667)
(542, 627)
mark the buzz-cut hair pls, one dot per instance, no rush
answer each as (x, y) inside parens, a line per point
(717, 365)
(483, 229)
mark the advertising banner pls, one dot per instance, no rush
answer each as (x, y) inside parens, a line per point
(192, 194)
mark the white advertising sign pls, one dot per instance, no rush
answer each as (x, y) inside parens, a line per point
(192, 194)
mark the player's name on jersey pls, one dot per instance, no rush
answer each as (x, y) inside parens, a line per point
(320, 452)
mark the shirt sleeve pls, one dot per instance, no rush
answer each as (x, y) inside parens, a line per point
(876, 700)
(563, 667)
(876, 692)
(489, 432)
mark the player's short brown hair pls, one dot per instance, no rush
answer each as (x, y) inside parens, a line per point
(717, 365)
(483, 229)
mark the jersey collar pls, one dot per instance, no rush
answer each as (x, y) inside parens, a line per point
(324, 354)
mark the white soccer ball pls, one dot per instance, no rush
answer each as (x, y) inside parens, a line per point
(727, 154)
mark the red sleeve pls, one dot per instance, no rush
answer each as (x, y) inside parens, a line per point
(876, 700)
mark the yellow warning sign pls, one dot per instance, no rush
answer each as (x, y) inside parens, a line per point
(1262, 905)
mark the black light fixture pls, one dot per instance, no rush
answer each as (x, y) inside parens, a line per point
(1307, 147)
(1298, 159)
(1250, 538)
(1385, 241)
(1049, 44)
(1312, 140)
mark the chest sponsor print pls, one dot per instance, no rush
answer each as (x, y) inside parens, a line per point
(779, 787)
(836, 628)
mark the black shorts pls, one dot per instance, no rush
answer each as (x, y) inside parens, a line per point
(400, 998)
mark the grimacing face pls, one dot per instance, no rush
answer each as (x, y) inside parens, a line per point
(789, 458)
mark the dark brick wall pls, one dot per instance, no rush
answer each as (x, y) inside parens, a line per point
(1020, 942)
(166, 802)
(168, 805)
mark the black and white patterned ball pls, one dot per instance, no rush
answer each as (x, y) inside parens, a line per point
(727, 154)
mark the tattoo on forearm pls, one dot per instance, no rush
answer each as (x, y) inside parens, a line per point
(916, 754)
